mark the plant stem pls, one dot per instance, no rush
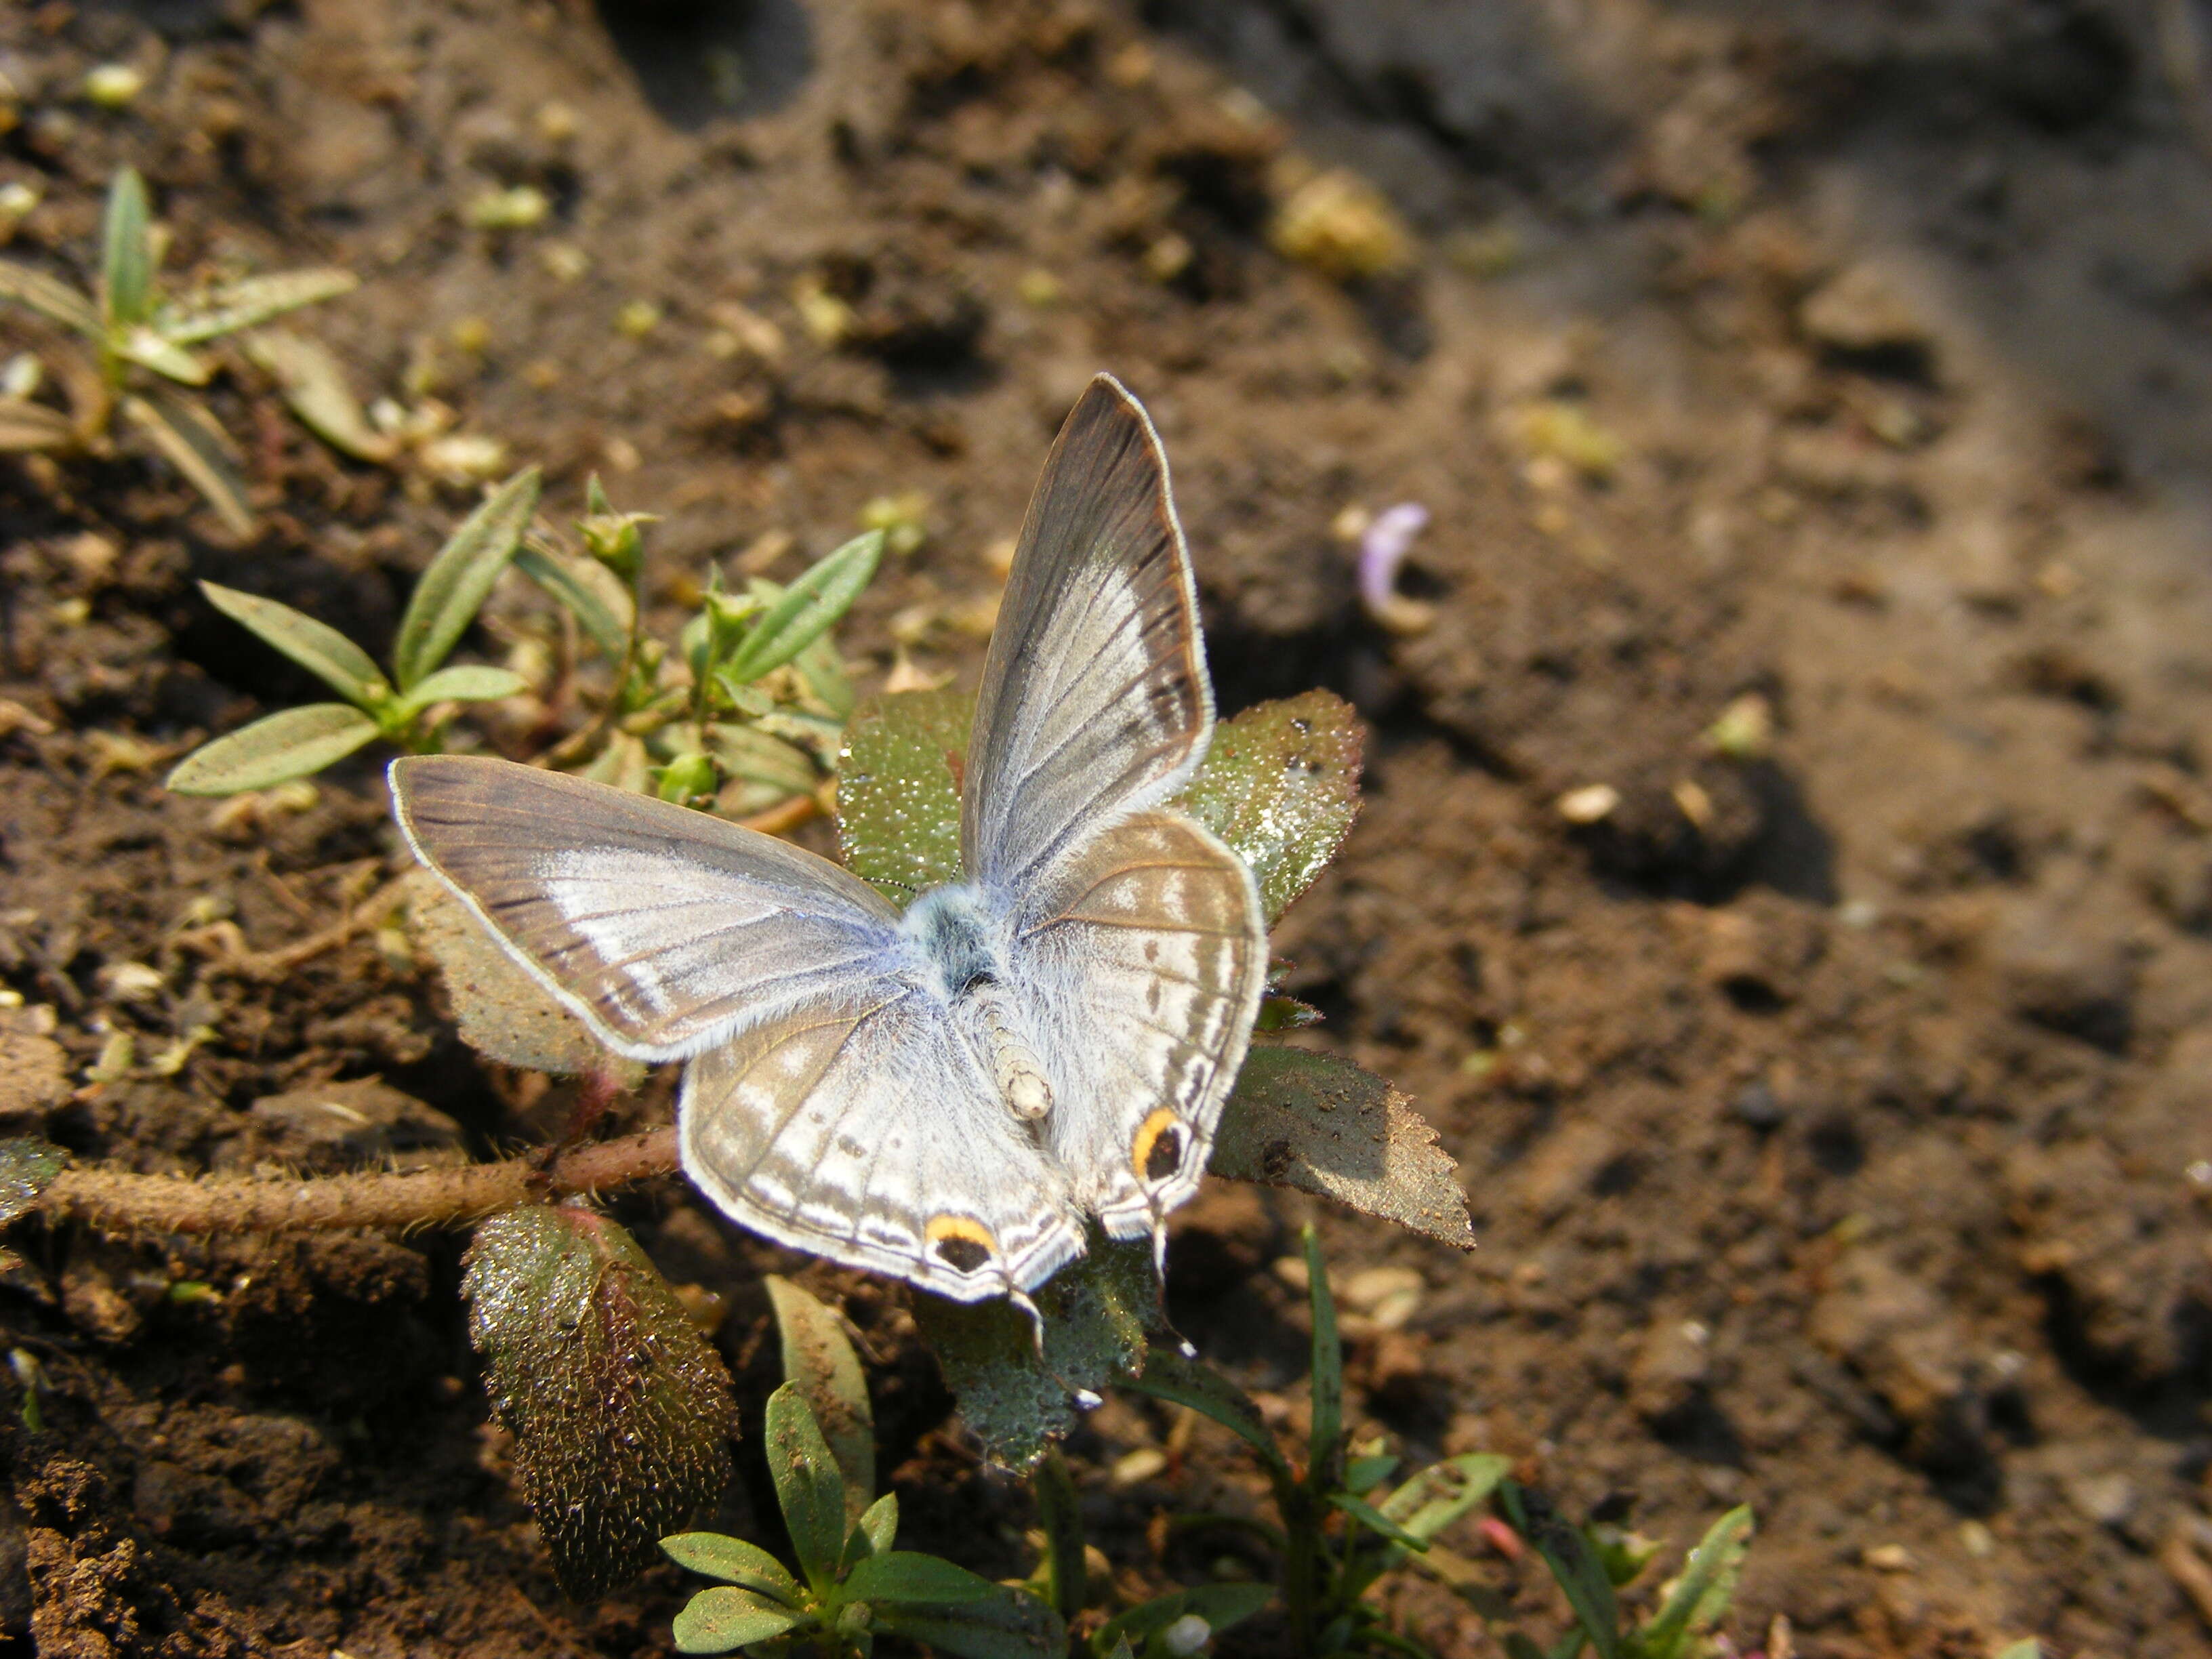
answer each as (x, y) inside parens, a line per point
(1060, 1510)
(114, 1203)
(1301, 1521)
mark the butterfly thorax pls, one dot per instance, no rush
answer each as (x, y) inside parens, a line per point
(957, 933)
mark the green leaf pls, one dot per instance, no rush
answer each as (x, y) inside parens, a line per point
(593, 593)
(316, 646)
(911, 1578)
(821, 1365)
(746, 751)
(189, 441)
(126, 283)
(313, 384)
(807, 609)
(141, 345)
(2028, 1648)
(875, 1531)
(447, 598)
(1581, 1576)
(1363, 1474)
(248, 303)
(723, 1619)
(1012, 1625)
(27, 427)
(1281, 784)
(464, 682)
(295, 744)
(821, 670)
(898, 790)
(1181, 1381)
(1096, 1312)
(621, 1410)
(1060, 1512)
(809, 1485)
(54, 300)
(1325, 1443)
(1377, 1522)
(1323, 1125)
(1220, 1605)
(27, 1166)
(1443, 1492)
(716, 1555)
(1697, 1599)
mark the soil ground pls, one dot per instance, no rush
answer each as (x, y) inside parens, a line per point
(1834, 1116)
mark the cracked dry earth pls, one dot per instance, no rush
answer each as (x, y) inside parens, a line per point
(1834, 1105)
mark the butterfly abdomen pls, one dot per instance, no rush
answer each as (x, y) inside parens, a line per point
(957, 933)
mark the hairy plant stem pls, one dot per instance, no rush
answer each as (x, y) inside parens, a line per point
(114, 1203)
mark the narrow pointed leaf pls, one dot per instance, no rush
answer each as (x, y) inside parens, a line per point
(447, 598)
(140, 344)
(1011, 1624)
(1280, 785)
(807, 609)
(1220, 1605)
(26, 426)
(898, 790)
(314, 386)
(716, 1555)
(196, 448)
(748, 752)
(593, 593)
(1325, 1445)
(809, 1485)
(621, 1410)
(1581, 1576)
(295, 744)
(1377, 1522)
(248, 302)
(723, 1619)
(316, 646)
(126, 283)
(911, 1578)
(54, 300)
(1181, 1381)
(1443, 1492)
(822, 671)
(821, 1365)
(465, 683)
(1698, 1598)
(875, 1533)
(1323, 1125)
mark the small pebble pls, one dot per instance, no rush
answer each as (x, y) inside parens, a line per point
(1591, 804)
(113, 86)
(1889, 1558)
(1133, 1468)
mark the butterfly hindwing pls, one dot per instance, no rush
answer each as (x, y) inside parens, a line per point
(664, 928)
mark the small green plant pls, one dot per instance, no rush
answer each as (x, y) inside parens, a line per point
(1341, 1526)
(755, 713)
(852, 1584)
(140, 341)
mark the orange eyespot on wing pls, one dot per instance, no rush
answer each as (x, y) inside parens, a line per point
(1156, 1152)
(962, 1242)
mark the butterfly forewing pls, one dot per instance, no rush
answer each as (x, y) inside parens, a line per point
(1146, 956)
(865, 1130)
(1094, 703)
(666, 929)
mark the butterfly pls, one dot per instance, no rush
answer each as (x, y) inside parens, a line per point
(948, 1094)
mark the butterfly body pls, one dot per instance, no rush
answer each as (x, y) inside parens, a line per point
(952, 1094)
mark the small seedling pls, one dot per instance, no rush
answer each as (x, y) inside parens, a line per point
(141, 361)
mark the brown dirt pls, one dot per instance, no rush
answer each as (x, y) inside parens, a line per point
(1828, 1117)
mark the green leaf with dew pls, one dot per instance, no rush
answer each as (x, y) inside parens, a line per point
(26, 1166)
(296, 743)
(54, 300)
(189, 441)
(898, 790)
(734, 1561)
(1698, 1598)
(724, 1620)
(807, 609)
(593, 595)
(1098, 1311)
(315, 646)
(314, 386)
(911, 1578)
(621, 1410)
(1581, 1576)
(464, 682)
(809, 1485)
(1011, 1624)
(1323, 1125)
(451, 591)
(248, 303)
(819, 1362)
(1280, 785)
(126, 279)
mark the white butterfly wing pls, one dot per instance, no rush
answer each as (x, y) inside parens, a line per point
(664, 929)
(1094, 703)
